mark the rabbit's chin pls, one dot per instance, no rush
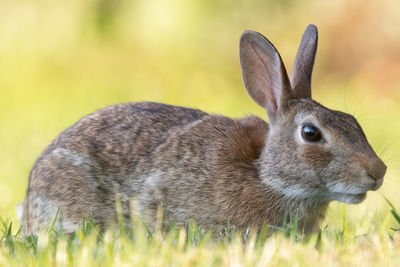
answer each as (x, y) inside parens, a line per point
(350, 198)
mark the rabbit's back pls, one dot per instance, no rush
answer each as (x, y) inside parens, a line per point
(158, 154)
(84, 168)
(118, 137)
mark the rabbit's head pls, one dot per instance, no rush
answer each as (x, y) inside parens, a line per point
(311, 152)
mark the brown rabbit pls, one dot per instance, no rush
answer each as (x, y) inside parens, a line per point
(207, 167)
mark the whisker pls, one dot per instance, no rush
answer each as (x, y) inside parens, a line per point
(358, 105)
(391, 159)
(344, 99)
(364, 115)
(388, 145)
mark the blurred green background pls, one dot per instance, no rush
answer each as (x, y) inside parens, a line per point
(60, 60)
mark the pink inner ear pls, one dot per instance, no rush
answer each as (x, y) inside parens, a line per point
(269, 85)
(272, 99)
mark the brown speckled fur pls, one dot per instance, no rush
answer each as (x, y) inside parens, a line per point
(206, 167)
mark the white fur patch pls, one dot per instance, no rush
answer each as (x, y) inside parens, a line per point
(153, 180)
(68, 226)
(44, 211)
(343, 188)
(71, 156)
(19, 209)
(348, 198)
(295, 191)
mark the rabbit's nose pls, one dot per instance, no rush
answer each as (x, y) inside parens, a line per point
(374, 173)
(376, 169)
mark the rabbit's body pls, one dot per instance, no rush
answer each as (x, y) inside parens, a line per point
(210, 168)
(159, 153)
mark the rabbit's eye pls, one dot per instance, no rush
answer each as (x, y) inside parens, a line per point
(311, 133)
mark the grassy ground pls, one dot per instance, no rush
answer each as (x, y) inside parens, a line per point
(60, 60)
(190, 246)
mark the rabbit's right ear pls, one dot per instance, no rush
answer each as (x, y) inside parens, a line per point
(300, 77)
(264, 74)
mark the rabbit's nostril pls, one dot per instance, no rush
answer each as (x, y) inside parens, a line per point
(371, 176)
(367, 179)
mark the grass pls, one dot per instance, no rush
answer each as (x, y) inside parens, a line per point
(395, 213)
(191, 246)
(134, 244)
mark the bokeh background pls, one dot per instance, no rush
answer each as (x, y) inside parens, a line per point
(60, 60)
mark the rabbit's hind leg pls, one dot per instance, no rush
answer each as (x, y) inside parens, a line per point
(64, 190)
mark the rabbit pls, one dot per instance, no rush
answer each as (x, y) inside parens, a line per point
(209, 168)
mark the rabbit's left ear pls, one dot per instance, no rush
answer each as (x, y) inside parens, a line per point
(300, 77)
(264, 74)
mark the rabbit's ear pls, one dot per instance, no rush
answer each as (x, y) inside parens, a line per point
(300, 77)
(264, 74)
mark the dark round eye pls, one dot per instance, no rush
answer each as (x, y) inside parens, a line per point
(311, 133)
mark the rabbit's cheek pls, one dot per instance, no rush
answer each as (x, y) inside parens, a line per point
(316, 156)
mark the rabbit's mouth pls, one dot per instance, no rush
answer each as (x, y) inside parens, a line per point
(349, 193)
